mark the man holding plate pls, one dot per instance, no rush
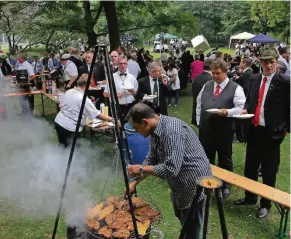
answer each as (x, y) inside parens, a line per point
(218, 101)
(269, 101)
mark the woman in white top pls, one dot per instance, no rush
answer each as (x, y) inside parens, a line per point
(66, 119)
(175, 84)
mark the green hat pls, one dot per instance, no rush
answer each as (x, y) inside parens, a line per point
(269, 53)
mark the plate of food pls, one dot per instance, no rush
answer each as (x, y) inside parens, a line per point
(243, 116)
(149, 97)
(213, 111)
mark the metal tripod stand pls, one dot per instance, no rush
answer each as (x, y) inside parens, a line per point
(206, 185)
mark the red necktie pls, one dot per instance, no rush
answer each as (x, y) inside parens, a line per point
(217, 91)
(256, 120)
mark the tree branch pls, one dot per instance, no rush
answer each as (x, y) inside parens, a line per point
(137, 28)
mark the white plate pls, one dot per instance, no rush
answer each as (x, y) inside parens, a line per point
(149, 97)
(213, 111)
(244, 116)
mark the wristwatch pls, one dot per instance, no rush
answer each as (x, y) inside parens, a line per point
(141, 170)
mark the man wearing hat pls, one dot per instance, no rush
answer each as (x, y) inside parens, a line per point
(269, 101)
(70, 71)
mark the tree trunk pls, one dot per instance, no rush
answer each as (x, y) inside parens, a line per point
(89, 24)
(112, 22)
(10, 45)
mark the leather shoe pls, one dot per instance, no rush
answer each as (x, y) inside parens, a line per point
(225, 192)
(245, 201)
(262, 213)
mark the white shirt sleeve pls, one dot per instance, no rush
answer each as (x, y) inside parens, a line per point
(135, 83)
(72, 69)
(29, 69)
(90, 109)
(198, 107)
(239, 100)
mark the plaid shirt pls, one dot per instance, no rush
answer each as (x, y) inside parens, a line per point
(177, 156)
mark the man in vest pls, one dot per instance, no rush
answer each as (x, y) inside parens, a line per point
(215, 129)
(70, 72)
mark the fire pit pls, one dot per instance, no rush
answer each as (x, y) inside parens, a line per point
(112, 220)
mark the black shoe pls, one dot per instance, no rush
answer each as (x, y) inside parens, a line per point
(225, 193)
(262, 213)
(245, 201)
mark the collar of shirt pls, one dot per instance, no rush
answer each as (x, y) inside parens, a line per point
(269, 78)
(245, 70)
(122, 72)
(159, 129)
(222, 84)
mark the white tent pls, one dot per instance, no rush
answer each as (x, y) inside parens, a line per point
(200, 42)
(241, 36)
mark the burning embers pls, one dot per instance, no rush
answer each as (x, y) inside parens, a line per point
(112, 219)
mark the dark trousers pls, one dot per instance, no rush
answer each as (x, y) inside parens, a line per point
(193, 232)
(65, 136)
(218, 140)
(240, 129)
(27, 104)
(176, 94)
(262, 150)
(124, 109)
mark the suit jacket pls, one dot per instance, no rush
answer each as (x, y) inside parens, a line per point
(98, 71)
(245, 80)
(144, 87)
(277, 103)
(197, 85)
(77, 62)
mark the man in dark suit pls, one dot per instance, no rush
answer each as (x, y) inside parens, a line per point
(76, 59)
(269, 101)
(197, 85)
(154, 84)
(244, 81)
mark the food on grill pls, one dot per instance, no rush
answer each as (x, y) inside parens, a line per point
(142, 227)
(93, 224)
(121, 233)
(142, 218)
(146, 211)
(113, 218)
(106, 232)
(112, 200)
(105, 212)
(93, 212)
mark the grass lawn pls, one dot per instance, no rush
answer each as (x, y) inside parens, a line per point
(241, 221)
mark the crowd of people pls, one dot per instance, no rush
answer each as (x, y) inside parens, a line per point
(254, 83)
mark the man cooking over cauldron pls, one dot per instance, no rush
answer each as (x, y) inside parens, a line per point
(175, 155)
(24, 70)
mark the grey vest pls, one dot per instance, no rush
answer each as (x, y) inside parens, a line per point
(223, 101)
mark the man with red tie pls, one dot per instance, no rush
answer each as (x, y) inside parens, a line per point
(216, 129)
(269, 101)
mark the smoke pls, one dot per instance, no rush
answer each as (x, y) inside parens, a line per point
(32, 170)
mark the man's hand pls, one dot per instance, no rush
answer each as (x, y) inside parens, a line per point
(243, 112)
(68, 86)
(223, 112)
(164, 79)
(132, 187)
(134, 170)
(119, 95)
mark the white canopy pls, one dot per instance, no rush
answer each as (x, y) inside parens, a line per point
(241, 36)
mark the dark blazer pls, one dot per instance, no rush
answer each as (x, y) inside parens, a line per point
(144, 87)
(245, 80)
(77, 62)
(98, 72)
(197, 85)
(277, 103)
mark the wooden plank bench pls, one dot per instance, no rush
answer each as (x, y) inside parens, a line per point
(281, 199)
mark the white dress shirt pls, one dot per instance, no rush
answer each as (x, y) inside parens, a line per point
(133, 68)
(121, 84)
(25, 66)
(70, 109)
(239, 100)
(267, 86)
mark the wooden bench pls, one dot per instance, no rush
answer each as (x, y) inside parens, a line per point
(281, 199)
